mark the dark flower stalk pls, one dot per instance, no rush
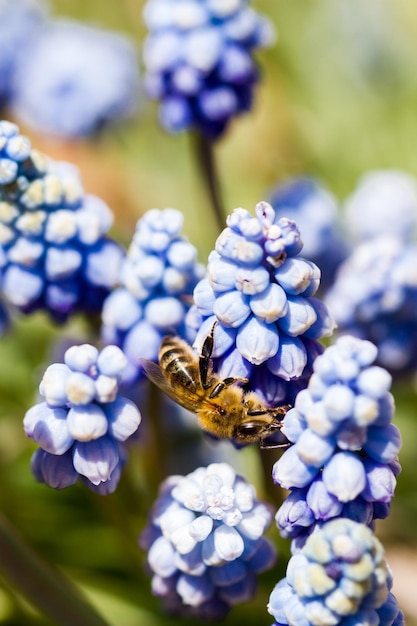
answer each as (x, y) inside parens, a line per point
(205, 156)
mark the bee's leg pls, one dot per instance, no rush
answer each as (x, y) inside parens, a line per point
(280, 411)
(255, 412)
(277, 412)
(226, 382)
(205, 358)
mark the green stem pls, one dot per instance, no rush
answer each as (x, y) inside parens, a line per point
(42, 585)
(157, 449)
(207, 165)
(274, 493)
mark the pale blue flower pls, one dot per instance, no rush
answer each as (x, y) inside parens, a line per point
(344, 458)
(205, 542)
(83, 422)
(20, 23)
(76, 80)
(157, 280)
(260, 293)
(340, 576)
(55, 252)
(374, 297)
(384, 202)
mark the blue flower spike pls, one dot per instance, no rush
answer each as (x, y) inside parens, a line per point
(55, 252)
(374, 296)
(83, 423)
(343, 461)
(198, 61)
(384, 202)
(205, 542)
(340, 577)
(261, 294)
(86, 79)
(157, 281)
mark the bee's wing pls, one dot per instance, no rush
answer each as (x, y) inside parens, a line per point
(187, 398)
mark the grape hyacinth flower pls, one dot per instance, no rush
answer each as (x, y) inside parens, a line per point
(384, 202)
(261, 294)
(83, 423)
(198, 61)
(343, 461)
(205, 542)
(315, 211)
(339, 577)
(76, 80)
(157, 280)
(55, 253)
(374, 297)
(20, 23)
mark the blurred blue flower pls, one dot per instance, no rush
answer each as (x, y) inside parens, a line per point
(315, 211)
(374, 297)
(198, 60)
(157, 277)
(20, 23)
(83, 422)
(344, 459)
(205, 542)
(339, 577)
(261, 294)
(76, 80)
(384, 202)
(55, 254)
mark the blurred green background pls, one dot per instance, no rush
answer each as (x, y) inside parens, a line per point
(338, 98)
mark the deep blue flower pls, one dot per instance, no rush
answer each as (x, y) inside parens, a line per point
(384, 202)
(375, 297)
(315, 211)
(76, 80)
(339, 577)
(198, 60)
(205, 542)
(20, 22)
(344, 459)
(83, 422)
(55, 253)
(261, 294)
(157, 277)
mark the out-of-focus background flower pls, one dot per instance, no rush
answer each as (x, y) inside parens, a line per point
(337, 99)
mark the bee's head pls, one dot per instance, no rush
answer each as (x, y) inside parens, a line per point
(255, 429)
(249, 432)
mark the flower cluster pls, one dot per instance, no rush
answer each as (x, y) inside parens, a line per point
(260, 292)
(83, 422)
(384, 202)
(157, 276)
(374, 296)
(315, 211)
(205, 542)
(54, 252)
(20, 22)
(339, 577)
(198, 60)
(76, 80)
(344, 459)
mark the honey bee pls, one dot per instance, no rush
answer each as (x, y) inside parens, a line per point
(222, 407)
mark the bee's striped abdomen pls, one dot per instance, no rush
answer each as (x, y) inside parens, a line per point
(178, 360)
